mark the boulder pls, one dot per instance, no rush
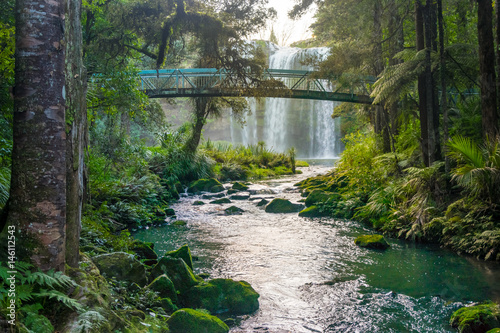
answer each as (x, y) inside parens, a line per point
(206, 185)
(313, 211)
(239, 187)
(231, 191)
(279, 205)
(224, 295)
(317, 196)
(165, 287)
(177, 270)
(233, 210)
(478, 318)
(377, 242)
(179, 223)
(169, 212)
(193, 321)
(198, 203)
(240, 196)
(144, 250)
(184, 253)
(221, 201)
(262, 202)
(122, 266)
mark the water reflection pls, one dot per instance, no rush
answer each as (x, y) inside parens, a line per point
(311, 276)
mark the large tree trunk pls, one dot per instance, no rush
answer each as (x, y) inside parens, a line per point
(76, 120)
(38, 192)
(201, 112)
(422, 92)
(487, 69)
(442, 76)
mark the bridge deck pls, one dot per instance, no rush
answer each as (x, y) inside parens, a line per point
(211, 82)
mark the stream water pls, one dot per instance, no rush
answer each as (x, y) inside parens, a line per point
(310, 275)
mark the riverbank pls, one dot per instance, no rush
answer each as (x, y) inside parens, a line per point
(312, 277)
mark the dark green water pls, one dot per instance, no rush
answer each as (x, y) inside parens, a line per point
(311, 276)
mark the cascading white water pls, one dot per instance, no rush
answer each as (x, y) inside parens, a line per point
(284, 123)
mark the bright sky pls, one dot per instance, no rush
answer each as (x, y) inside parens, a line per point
(287, 30)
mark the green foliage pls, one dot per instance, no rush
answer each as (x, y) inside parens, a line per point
(38, 296)
(478, 167)
(248, 162)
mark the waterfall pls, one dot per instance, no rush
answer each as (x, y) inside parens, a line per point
(284, 122)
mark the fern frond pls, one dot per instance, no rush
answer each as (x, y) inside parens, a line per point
(89, 321)
(60, 297)
(50, 279)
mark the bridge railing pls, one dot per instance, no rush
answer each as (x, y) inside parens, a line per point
(211, 81)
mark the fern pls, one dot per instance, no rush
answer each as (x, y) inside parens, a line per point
(89, 321)
(60, 297)
(50, 279)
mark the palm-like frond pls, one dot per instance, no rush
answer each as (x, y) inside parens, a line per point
(478, 167)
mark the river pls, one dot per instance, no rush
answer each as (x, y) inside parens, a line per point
(310, 275)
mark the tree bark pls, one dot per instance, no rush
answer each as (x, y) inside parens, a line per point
(202, 106)
(76, 120)
(422, 92)
(38, 192)
(442, 77)
(487, 69)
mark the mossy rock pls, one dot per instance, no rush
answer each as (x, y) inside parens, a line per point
(169, 212)
(198, 203)
(165, 287)
(206, 185)
(184, 253)
(317, 196)
(177, 270)
(224, 295)
(144, 250)
(478, 318)
(122, 266)
(179, 223)
(279, 205)
(167, 305)
(221, 201)
(377, 242)
(313, 211)
(233, 210)
(239, 186)
(263, 202)
(193, 321)
(495, 330)
(231, 191)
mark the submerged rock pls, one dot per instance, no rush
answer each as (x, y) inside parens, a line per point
(224, 295)
(206, 185)
(240, 196)
(198, 203)
(192, 321)
(165, 287)
(221, 201)
(213, 196)
(239, 186)
(179, 223)
(478, 318)
(122, 266)
(233, 210)
(262, 202)
(313, 211)
(283, 206)
(377, 242)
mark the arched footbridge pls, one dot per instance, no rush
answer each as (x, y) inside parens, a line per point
(211, 82)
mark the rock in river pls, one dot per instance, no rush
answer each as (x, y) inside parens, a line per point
(377, 242)
(283, 206)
